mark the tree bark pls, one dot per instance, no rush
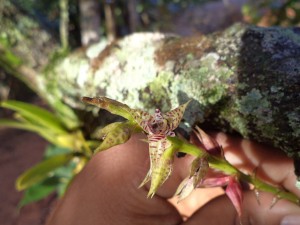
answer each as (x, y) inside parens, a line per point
(245, 79)
(25, 47)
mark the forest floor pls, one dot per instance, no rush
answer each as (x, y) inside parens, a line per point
(19, 150)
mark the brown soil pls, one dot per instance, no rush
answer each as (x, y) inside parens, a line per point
(19, 150)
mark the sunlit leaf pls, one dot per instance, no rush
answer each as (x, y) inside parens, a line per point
(64, 139)
(51, 137)
(40, 171)
(35, 114)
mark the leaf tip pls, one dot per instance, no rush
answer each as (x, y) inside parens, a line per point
(18, 184)
(86, 99)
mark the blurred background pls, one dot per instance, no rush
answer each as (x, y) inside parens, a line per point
(31, 29)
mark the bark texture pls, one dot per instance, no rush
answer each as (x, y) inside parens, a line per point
(24, 37)
(245, 79)
(25, 47)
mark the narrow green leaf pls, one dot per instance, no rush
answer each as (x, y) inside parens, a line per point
(66, 115)
(39, 191)
(53, 150)
(41, 170)
(29, 127)
(63, 140)
(110, 105)
(38, 115)
(18, 125)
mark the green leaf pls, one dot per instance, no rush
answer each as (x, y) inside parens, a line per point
(40, 171)
(115, 134)
(39, 191)
(29, 127)
(110, 105)
(35, 114)
(53, 150)
(66, 115)
(63, 140)
(18, 125)
(100, 133)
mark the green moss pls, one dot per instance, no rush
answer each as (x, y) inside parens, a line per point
(255, 105)
(228, 45)
(206, 83)
(23, 36)
(239, 124)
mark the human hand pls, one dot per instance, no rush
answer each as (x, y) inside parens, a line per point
(106, 192)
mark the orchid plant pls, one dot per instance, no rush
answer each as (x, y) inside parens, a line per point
(163, 146)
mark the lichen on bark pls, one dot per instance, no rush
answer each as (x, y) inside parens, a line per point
(244, 79)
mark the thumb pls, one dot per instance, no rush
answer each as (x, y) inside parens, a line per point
(221, 211)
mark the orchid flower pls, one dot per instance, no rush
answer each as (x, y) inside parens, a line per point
(157, 127)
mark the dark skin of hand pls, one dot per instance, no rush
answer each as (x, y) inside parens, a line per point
(106, 192)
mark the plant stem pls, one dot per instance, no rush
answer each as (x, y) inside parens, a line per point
(226, 167)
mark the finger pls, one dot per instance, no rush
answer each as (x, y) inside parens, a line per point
(260, 160)
(221, 211)
(106, 191)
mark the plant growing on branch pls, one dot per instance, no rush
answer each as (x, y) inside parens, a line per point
(67, 155)
(163, 146)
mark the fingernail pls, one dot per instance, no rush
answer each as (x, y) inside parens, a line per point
(290, 220)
